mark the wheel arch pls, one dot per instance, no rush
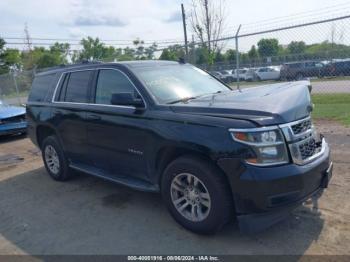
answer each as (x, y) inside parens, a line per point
(168, 154)
(43, 131)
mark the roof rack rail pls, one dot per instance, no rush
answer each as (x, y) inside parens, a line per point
(83, 62)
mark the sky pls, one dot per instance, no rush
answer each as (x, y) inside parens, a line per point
(146, 19)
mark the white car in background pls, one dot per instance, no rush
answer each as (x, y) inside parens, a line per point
(250, 75)
(268, 73)
(241, 73)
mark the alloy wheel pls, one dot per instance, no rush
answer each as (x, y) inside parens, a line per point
(52, 160)
(190, 197)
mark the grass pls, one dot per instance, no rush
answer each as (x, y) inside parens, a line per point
(332, 106)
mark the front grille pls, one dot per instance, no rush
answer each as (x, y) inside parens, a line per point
(301, 127)
(308, 148)
(14, 119)
(303, 142)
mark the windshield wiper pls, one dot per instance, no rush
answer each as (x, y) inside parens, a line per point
(184, 100)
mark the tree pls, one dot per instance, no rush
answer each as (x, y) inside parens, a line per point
(128, 54)
(296, 47)
(219, 57)
(268, 47)
(174, 52)
(10, 58)
(139, 48)
(207, 21)
(168, 55)
(2, 45)
(230, 55)
(149, 51)
(47, 59)
(93, 49)
(253, 53)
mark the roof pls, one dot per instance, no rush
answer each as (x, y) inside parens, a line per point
(87, 65)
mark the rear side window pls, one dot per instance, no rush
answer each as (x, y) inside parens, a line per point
(40, 87)
(111, 82)
(77, 87)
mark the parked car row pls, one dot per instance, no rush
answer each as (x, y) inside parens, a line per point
(287, 71)
(248, 74)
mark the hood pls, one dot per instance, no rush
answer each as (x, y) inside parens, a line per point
(265, 105)
(11, 111)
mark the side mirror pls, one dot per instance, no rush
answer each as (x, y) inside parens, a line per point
(126, 99)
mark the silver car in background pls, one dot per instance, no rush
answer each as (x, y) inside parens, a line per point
(268, 73)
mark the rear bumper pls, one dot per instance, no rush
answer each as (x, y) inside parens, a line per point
(13, 128)
(265, 195)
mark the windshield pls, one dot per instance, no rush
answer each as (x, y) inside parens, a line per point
(175, 82)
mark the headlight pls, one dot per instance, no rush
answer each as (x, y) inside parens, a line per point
(267, 143)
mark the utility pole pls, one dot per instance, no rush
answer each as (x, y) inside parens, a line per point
(185, 31)
(237, 57)
(193, 51)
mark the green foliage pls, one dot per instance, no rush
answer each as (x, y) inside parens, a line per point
(168, 55)
(219, 57)
(253, 53)
(268, 47)
(296, 47)
(2, 45)
(230, 55)
(93, 49)
(9, 58)
(174, 52)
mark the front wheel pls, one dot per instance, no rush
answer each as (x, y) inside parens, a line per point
(197, 195)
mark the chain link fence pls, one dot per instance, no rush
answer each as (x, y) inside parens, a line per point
(15, 86)
(270, 52)
(318, 51)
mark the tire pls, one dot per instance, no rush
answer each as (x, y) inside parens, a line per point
(55, 162)
(215, 208)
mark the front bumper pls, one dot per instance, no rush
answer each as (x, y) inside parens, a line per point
(13, 128)
(265, 195)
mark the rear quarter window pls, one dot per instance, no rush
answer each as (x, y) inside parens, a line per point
(77, 87)
(41, 87)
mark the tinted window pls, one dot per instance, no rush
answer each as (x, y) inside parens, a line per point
(40, 87)
(77, 87)
(111, 82)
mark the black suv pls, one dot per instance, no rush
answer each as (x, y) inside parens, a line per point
(170, 127)
(301, 70)
(338, 68)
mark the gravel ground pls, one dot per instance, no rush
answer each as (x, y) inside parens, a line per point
(87, 215)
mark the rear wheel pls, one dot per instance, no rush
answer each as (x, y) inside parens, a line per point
(55, 162)
(197, 195)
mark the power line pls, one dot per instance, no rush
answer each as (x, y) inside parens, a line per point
(102, 40)
(289, 18)
(272, 30)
